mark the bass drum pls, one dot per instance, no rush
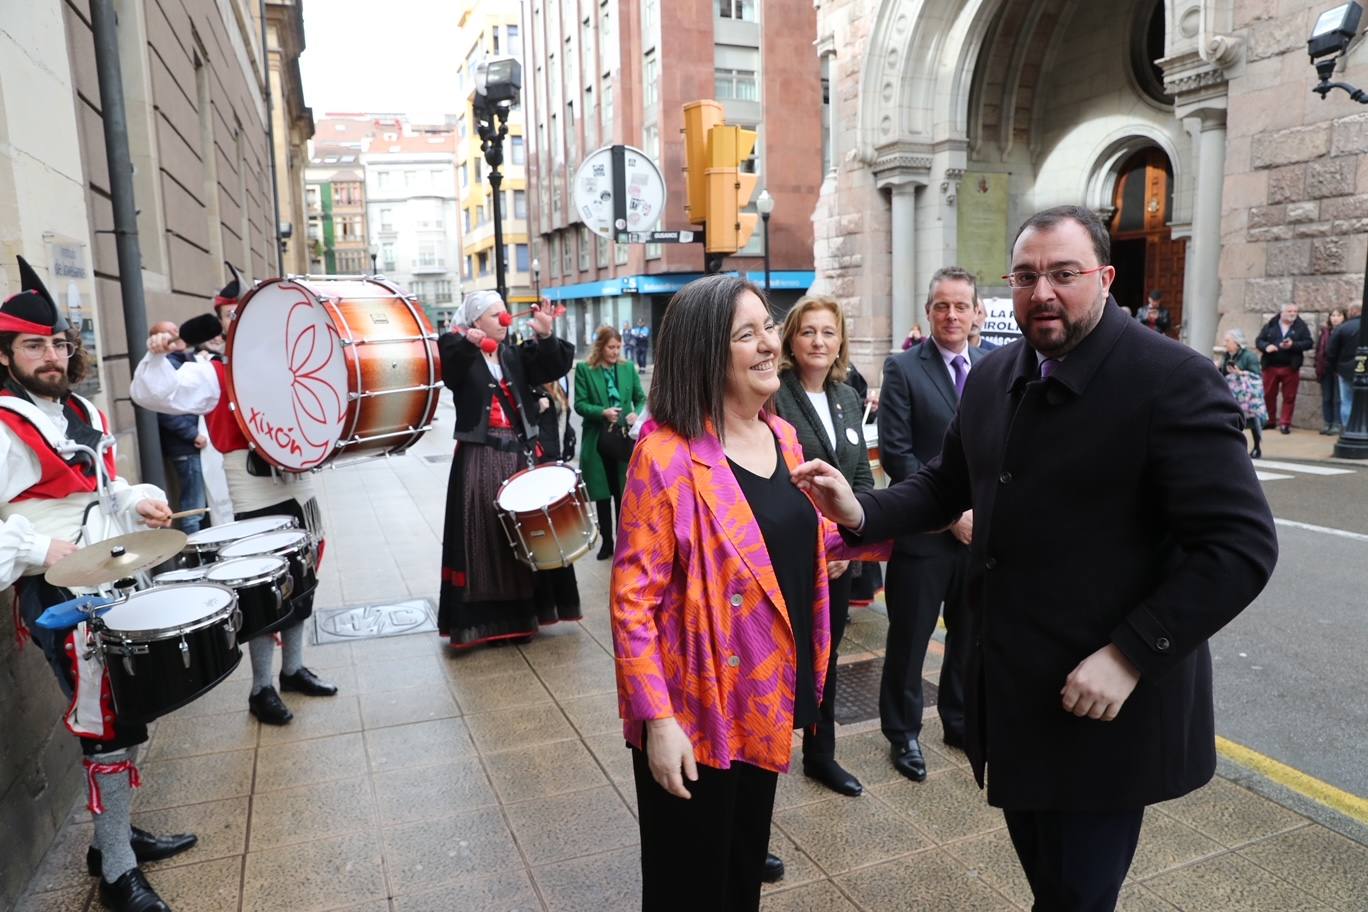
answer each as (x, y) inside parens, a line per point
(321, 367)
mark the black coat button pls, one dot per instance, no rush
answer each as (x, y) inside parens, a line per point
(1005, 478)
(1162, 644)
(990, 563)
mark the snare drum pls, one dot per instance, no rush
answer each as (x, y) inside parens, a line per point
(202, 547)
(263, 587)
(294, 545)
(183, 575)
(547, 515)
(167, 646)
(319, 366)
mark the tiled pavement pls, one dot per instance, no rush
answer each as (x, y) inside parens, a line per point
(498, 781)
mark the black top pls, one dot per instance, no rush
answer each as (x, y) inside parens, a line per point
(788, 523)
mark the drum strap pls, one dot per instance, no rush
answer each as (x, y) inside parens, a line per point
(515, 418)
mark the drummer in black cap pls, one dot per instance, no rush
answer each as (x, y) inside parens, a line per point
(47, 496)
(197, 388)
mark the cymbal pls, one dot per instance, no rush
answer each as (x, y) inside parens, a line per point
(115, 558)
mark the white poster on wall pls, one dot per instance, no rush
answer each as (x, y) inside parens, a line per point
(1001, 326)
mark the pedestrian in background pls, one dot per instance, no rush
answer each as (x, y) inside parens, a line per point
(827, 416)
(1341, 353)
(628, 340)
(181, 443)
(486, 592)
(719, 603)
(608, 396)
(1154, 314)
(1240, 367)
(643, 342)
(1325, 373)
(914, 336)
(1118, 526)
(1282, 342)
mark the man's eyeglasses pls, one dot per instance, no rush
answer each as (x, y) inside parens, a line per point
(1059, 278)
(36, 348)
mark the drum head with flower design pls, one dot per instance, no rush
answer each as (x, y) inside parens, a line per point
(288, 375)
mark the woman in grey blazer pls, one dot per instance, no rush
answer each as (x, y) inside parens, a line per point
(827, 414)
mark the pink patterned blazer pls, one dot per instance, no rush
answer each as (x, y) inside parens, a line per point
(700, 629)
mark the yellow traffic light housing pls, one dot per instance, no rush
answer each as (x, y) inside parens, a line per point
(699, 119)
(729, 189)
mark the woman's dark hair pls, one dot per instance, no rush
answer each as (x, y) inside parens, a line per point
(693, 353)
(78, 365)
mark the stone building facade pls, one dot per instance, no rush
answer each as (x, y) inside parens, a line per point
(1189, 125)
(194, 87)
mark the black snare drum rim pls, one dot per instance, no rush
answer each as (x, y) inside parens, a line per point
(115, 635)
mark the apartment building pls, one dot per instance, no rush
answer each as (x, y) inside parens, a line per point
(598, 73)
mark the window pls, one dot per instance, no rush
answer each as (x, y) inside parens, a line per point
(468, 225)
(386, 220)
(602, 252)
(587, 40)
(410, 179)
(620, 254)
(382, 180)
(606, 35)
(649, 18)
(828, 160)
(732, 84)
(606, 111)
(514, 45)
(520, 257)
(571, 134)
(650, 142)
(479, 170)
(553, 262)
(518, 150)
(520, 204)
(736, 9)
(568, 255)
(494, 32)
(480, 215)
(651, 81)
(484, 263)
(468, 273)
(427, 254)
(387, 256)
(590, 119)
(441, 290)
(583, 249)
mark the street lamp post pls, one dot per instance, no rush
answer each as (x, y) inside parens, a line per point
(764, 204)
(1329, 39)
(536, 278)
(498, 84)
(374, 255)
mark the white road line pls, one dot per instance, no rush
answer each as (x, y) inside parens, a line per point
(1268, 476)
(1299, 467)
(1324, 530)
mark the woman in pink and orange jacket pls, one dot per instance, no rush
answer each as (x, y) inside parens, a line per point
(719, 602)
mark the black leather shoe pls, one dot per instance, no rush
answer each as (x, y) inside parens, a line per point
(146, 847)
(269, 709)
(773, 871)
(605, 551)
(307, 683)
(1326, 430)
(1284, 429)
(830, 774)
(953, 739)
(908, 760)
(131, 893)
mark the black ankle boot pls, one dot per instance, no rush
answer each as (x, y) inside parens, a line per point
(605, 551)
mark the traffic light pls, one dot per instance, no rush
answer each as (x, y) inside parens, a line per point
(699, 119)
(729, 189)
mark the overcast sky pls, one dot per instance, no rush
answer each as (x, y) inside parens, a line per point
(380, 55)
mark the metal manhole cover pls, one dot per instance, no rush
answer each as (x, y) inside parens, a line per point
(857, 691)
(365, 622)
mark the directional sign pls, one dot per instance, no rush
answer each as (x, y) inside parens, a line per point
(655, 237)
(643, 187)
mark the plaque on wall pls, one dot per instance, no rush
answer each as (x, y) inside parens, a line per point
(73, 288)
(982, 226)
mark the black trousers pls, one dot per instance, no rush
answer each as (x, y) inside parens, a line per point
(914, 591)
(706, 853)
(608, 512)
(1075, 861)
(819, 741)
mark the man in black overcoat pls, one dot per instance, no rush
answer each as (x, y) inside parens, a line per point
(1114, 532)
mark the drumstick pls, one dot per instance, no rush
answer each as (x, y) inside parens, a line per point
(557, 311)
(184, 513)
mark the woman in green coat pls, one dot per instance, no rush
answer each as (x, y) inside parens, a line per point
(607, 392)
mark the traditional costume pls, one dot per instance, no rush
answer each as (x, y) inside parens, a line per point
(487, 594)
(48, 493)
(256, 489)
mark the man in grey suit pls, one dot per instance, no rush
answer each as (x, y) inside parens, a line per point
(921, 389)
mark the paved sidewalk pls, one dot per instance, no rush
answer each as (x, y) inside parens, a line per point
(498, 781)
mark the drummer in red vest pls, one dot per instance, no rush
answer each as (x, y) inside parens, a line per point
(48, 495)
(255, 488)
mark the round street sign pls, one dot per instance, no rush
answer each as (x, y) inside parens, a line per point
(593, 193)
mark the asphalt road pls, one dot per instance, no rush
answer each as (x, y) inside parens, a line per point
(1292, 670)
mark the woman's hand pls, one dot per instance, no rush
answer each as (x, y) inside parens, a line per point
(669, 753)
(611, 415)
(837, 569)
